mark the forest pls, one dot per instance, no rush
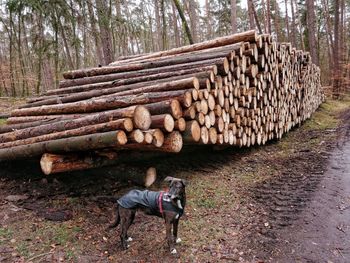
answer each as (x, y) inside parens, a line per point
(41, 39)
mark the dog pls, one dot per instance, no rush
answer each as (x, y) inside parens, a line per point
(168, 205)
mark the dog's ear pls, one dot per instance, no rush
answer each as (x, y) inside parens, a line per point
(168, 179)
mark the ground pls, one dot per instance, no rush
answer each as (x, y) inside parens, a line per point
(287, 201)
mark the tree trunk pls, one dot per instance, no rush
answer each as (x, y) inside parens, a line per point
(294, 32)
(251, 15)
(268, 16)
(311, 26)
(158, 26)
(184, 22)
(233, 16)
(336, 72)
(103, 15)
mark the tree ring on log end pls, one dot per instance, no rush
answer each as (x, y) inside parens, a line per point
(142, 118)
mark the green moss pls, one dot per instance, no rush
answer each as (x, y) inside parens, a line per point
(2, 121)
(325, 117)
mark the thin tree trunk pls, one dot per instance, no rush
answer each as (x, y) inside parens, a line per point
(103, 15)
(294, 33)
(302, 42)
(256, 17)
(208, 19)
(234, 16)
(95, 33)
(158, 26)
(184, 22)
(336, 51)
(263, 10)
(251, 14)
(311, 26)
(287, 20)
(175, 25)
(269, 16)
(193, 19)
(164, 31)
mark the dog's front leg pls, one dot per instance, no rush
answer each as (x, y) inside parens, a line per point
(175, 227)
(170, 237)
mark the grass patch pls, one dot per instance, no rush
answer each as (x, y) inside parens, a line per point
(325, 117)
(5, 234)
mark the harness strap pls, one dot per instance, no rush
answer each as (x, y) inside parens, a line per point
(160, 204)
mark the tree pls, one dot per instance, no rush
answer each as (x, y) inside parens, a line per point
(234, 16)
(311, 26)
(184, 22)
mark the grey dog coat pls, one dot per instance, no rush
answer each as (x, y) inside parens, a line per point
(149, 199)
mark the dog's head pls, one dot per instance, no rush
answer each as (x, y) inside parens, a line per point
(176, 188)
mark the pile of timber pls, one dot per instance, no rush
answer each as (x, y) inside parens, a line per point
(241, 90)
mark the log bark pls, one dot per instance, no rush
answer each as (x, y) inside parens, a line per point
(248, 36)
(140, 115)
(164, 122)
(122, 124)
(59, 163)
(76, 83)
(72, 144)
(172, 107)
(199, 72)
(102, 104)
(138, 66)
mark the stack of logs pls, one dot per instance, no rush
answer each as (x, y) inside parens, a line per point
(240, 90)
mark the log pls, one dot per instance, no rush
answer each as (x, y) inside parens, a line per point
(155, 86)
(72, 144)
(192, 132)
(210, 53)
(172, 107)
(101, 104)
(134, 74)
(173, 143)
(248, 36)
(141, 119)
(138, 66)
(108, 81)
(136, 136)
(121, 124)
(180, 125)
(58, 163)
(164, 122)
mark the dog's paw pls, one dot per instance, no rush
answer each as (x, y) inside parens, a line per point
(178, 240)
(129, 239)
(173, 251)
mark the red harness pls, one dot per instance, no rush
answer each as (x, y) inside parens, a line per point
(160, 203)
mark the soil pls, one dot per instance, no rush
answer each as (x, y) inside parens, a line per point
(287, 201)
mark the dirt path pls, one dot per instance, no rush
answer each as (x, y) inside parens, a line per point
(322, 232)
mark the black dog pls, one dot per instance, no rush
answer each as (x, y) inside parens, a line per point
(168, 205)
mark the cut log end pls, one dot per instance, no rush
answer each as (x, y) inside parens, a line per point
(142, 118)
(150, 177)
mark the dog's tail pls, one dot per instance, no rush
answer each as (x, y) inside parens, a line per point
(117, 217)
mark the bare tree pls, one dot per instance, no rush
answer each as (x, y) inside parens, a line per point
(184, 22)
(234, 16)
(311, 26)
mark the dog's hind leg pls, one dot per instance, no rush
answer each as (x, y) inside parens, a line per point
(117, 218)
(129, 239)
(126, 218)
